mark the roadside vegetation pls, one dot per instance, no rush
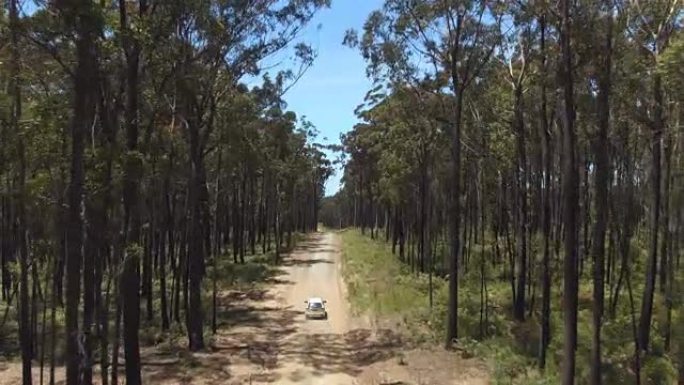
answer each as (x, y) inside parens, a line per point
(530, 155)
(141, 142)
(383, 288)
(226, 281)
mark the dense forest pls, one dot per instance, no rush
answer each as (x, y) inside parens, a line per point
(140, 141)
(533, 149)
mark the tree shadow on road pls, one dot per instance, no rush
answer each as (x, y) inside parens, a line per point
(305, 262)
(348, 353)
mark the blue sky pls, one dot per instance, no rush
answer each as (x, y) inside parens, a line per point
(330, 91)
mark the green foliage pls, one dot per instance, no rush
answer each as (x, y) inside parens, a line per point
(671, 64)
(659, 371)
(381, 286)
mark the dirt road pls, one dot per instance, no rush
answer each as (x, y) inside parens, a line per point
(288, 348)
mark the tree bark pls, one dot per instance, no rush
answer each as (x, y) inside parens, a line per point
(81, 15)
(521, 188)
(651, 263)
(130, 277)
(665, 223)
(570, 201)
(546, 214)
(601, 178)
(455, 217)
(25, 332)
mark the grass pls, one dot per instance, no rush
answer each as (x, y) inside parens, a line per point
(380, 285)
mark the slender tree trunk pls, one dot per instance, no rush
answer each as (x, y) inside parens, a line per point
(665, 242)
(423, 250)
(162, 275)
(148, 256)
(637, 346)
(586, 214)
(117, 338)
(252, 223)
(601, 176)
(214, 294)
(88, 297)
(81, 15)
(669, 293)
(454, 212)
(521, 188)
(675, 238)
(651, 264)
(402, 237)
(483, 264)
(53, 311)
(130, 277)
(546, 215)
(109, 118)
(235, 224)
(570, 201)
(25, 332)
(43, 332)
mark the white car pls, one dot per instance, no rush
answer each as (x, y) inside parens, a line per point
(315, 308)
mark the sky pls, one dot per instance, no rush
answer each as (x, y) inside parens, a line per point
(336, 83)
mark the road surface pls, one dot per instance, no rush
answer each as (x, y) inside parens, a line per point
(271, 341)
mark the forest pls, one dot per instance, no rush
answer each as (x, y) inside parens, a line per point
(142, 142)
(526, 159)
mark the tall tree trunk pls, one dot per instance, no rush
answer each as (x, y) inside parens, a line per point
(422, 248)
(25, 332)
(43, 332)
(235, 224)
(196, 267)
(665, 242)
(637, 347)
(570, 201)
(651, 264)
(216, 252)
(81, 15)
(454, 210)
(546, 215)
(521, 189)
(601, 178)
(673, 247)
(117, 338)
(91, 245)
(109, 127)
(164, 307)
(130, 277)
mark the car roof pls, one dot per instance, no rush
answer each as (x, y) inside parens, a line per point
(315, 299)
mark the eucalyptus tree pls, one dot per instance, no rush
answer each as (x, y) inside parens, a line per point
(210, 61)
(176, 93)
(447, 43)
(557, 101)
(602, 176)
(82, 16)
(652, 28)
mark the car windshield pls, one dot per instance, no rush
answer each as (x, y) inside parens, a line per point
(315, 305)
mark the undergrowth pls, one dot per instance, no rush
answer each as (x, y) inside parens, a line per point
(381, 285)
(255, 273)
